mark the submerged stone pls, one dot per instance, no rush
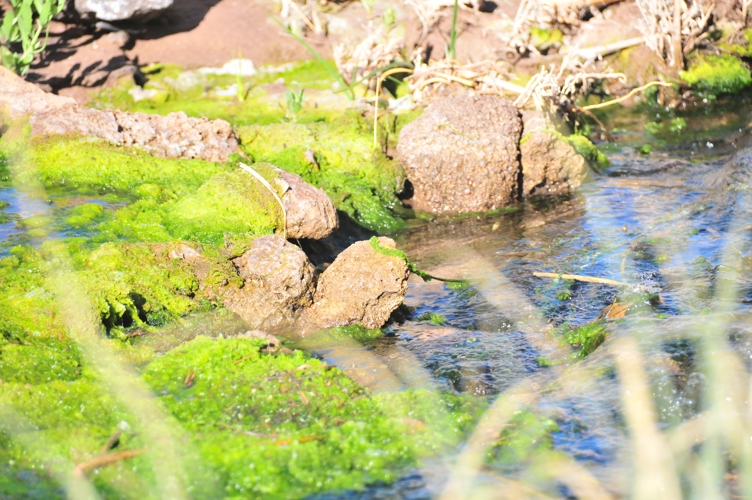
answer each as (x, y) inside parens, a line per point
(462, 155)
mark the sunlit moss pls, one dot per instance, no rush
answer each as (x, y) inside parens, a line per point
(717, 74)
(130, 285)
(360, 180)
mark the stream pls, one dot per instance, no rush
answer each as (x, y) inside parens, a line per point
(672, 225)
(669, 223)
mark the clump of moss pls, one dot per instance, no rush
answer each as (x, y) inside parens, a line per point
(229, 202)
(102, 167)
(250, 424)
(130, 285)
(586, 338)
(586, 148)
(284, 426)
(544, 38)
(361, 181)
(528, 435)
(717, 74)
(433, 318)
(743, 50)
(43, 361)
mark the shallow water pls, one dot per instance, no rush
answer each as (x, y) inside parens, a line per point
(668, 223)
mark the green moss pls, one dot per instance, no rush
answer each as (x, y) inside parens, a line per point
(197, 94)
(84, 215)
(44, 361)
(586, 338)
(714, 75)
(130, 285)
(743, 50)
(288, 426)
(433, 318)
(229, 202)
(586, 148)
(527, 435)
(98, 165)
(360, 180)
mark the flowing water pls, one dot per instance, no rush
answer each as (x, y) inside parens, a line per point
(670, 223)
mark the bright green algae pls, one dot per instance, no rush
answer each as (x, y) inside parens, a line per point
(261, 425)
(714, 75)
(130, 284)
(360, 180)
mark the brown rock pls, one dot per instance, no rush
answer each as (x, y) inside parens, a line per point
(172, 136)
(19, 98)
(549, 164)
(310, 212)
(462, 155)
(361, 286)
(279, 281)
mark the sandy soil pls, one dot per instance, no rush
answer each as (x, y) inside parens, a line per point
(195, 33)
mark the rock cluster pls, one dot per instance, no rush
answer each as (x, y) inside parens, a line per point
(550, 165)
(362, 286)
(279, 281)
(310, 213)
(462, 155)
(469, 154)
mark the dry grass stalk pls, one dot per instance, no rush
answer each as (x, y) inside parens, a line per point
(381, 47)
(551, 87)
(672, 28)
(301, 16)
(485, 77)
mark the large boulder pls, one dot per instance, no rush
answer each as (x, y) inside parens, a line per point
(462, 155)
(362, 286)
(279, 281)
(121, 10)
(550, 163)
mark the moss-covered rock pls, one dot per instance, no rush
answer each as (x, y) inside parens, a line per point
(360, 180)
(130, 285)
(252, 425)
(717, 74)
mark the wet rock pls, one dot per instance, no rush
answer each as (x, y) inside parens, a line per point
(550, 165)
(121, 10)
(172, 136)
(279, 281)
(362, 286)
(310, 212)
(462, 155)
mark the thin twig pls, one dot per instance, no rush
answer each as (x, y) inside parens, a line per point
(575, 277)
(269, 187)
(624, 98)
(104, 460)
